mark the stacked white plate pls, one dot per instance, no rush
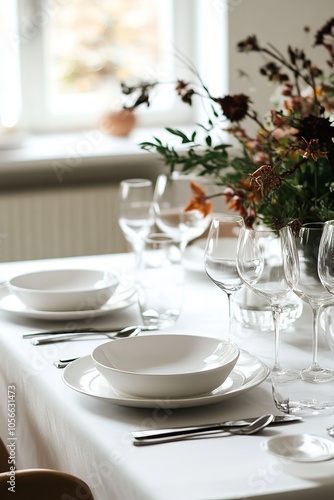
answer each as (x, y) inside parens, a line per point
(65, 294)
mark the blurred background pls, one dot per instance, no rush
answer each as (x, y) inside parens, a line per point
(62, 63)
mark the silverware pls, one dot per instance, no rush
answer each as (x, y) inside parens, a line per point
(62, 363)
(125, 332)
(203, 428)
(251, 428)
(83, 329)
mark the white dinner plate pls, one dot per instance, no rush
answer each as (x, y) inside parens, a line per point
(122, 298)
(82, 376)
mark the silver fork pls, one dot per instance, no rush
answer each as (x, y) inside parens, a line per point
(123, 333)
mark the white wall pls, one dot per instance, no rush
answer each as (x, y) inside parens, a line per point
(280, 22)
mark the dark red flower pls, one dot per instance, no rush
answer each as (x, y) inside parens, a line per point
(327, 29)
(316, 127)
(184, 92)
(248, 45)
(274, 73)
(325, 37)
(234, 107)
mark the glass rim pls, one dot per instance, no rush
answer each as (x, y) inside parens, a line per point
(162, 238)
(227, 218)
(313, 225)
(137, 182)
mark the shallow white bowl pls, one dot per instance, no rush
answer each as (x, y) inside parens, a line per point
(65, 289)
(162, 365)
(301, 448)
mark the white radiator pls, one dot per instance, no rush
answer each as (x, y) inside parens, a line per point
(60, 222)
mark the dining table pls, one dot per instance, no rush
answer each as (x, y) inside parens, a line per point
(65, 419)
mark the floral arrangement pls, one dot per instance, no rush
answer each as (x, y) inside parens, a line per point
(286, 170)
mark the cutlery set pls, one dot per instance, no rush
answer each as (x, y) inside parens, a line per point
(48, 337)
(246, 426)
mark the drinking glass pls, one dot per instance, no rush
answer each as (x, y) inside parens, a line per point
(260, 265)
(301, 270)
(326, 275)
(160, 281)
(220, 257)
(135, 212)
(171, 195)
(326, 257)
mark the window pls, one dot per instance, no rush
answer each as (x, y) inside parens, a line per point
(10, 104)
(65, 59)
(68, 57)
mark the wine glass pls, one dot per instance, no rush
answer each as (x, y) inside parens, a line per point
(135, 212)
(326, 257)
(220, 257)
(260, 265)
(171, 196)
(301, 271)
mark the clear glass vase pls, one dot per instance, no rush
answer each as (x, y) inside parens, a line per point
(254, 312)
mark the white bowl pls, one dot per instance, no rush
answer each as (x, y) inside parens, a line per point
(301, 448)
(65, 289)
(162, 365)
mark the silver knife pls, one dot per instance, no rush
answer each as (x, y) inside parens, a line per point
(142, 435)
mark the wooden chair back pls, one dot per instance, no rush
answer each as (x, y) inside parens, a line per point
(43, 484)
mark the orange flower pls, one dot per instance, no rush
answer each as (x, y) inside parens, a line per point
(199, 201)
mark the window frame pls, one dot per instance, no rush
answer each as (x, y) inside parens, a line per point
(35, 116)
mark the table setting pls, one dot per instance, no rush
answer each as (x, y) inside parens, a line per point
(159, 385)
(140, 352)
(190, 429)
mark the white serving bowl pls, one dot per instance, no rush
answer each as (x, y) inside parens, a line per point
(162, 365)
(64, 289)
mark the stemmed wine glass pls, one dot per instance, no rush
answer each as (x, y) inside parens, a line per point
(220, 257)
(135, 212)
(171, 195)
(301, 270)
(326, 257)
(260, 265)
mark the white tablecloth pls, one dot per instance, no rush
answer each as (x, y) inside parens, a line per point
(60, 428)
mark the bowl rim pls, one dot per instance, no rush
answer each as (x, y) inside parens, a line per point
(112, 274)
(235, 353)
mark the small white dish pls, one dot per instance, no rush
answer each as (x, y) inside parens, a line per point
(82, 376)
(161, 365)
(64, 289)
(301, 448)
(125, 296)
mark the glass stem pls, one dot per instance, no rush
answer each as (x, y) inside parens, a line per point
(230, 314)
(315, 329)
(276, 312)
(183, 244)
(137, 250)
